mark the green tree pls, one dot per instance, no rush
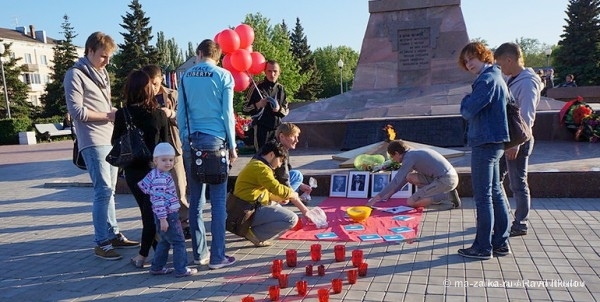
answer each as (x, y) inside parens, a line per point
(274, 44)
(534, 52)
(579, 50)
(65, 54)
(302, 53)
(191, 51)
(170, 53)
(17, 89)
(326, 59)
(136, 50)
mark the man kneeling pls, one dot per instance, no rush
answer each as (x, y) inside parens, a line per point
(428, 170)
(256, 183)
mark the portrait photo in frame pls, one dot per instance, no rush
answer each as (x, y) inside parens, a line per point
(339, 183)
(405, 192)
(379, 181)
(358, 184)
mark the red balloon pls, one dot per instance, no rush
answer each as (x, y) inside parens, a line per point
(226, 63)
(246, 34)
(216, 38)
(241, 79)
(229, 41)
(258, 63)
(241, 60)
(249, 48)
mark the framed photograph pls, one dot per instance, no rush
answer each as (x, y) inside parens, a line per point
(405, 192)
(379, 181)
(339, 183)
(358, 184)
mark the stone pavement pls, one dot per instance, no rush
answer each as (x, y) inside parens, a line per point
(46, 251)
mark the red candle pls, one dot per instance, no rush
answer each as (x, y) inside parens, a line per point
(291, 258)
(340, 253)
(352, 275)
(362, 269)
(301, 287)
(357, 257)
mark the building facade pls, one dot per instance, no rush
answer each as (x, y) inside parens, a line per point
(36, 52)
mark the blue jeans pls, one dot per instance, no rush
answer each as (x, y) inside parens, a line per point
(172, 237)
(197, 200)
(270, 221)
(517, 176)
(296, 179)
(104, 180)
(492, 211)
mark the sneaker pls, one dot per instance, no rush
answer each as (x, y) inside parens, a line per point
(188, 272)
(473, 253)
(106, 252)
(515, 233)
(252, 238)
(163, 271)
(203, 261)
(226, 262)
(456, 203)
(502, 251)
(121, 242)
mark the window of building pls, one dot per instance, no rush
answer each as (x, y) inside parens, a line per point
(43, 60)
(32, 78)
(28, 58)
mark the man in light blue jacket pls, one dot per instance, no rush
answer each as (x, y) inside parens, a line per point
(205, 115)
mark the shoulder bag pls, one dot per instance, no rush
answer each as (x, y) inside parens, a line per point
(77, 157)
(131, 147)
(240, 214)
(518, 130)
(207, 166)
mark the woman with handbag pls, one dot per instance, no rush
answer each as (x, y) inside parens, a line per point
(256, 183)
(141, 110)
(485, 111)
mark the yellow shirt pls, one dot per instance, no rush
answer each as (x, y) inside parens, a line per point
(256, 179)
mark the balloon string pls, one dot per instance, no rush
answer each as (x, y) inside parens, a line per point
(262, 110)
(254, 83)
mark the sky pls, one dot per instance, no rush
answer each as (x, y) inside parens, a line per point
(325, 22)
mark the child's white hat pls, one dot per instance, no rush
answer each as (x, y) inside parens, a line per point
(164, 149)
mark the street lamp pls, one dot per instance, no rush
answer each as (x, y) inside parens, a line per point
(341, 66)
(548, 53)
(2, 49)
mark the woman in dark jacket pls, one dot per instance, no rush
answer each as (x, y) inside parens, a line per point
(146, 115)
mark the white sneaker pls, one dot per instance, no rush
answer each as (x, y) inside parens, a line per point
(203, 261)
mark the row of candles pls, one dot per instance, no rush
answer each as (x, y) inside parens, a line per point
(291, 259)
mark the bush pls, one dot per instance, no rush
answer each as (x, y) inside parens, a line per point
(10, 128)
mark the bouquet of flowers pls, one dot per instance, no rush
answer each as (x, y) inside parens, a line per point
(589, 129)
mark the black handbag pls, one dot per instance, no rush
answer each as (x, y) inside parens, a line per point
(210, 166)
(518, 130)
(131, 147)
(207, 166)
(240, 214)
(77, 157)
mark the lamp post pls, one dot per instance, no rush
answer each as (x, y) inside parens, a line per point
(2, 49)
(341, 66)
(548, 53)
